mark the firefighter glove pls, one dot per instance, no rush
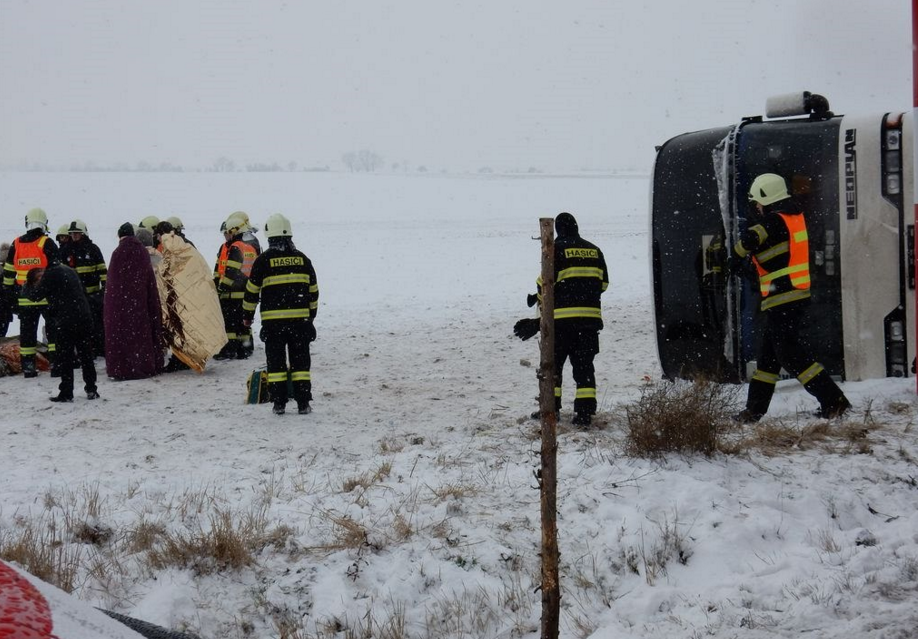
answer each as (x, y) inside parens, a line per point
(311, 331)
(531, 300)
(526, 328)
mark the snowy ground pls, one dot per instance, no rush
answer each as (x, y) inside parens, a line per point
(409, 491)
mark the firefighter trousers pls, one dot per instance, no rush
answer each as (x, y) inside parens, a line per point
(75, 342)
(782, 347)
(288, 339)
(580, 344)
(28, 334)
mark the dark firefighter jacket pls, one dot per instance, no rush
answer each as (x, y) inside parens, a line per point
(67, 303)
(780, 249)
(581, 278)
(38, 253)
(234, 264)
(86, 259)
(286, 282)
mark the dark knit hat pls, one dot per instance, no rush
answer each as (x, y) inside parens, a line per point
(565, 225)
(126, 229)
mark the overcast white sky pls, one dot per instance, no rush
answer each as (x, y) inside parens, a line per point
(559, 85)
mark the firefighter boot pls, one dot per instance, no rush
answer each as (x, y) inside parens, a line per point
(28, 367)
(761, 389)
(279, 408)
(303, 408)
(62, 397)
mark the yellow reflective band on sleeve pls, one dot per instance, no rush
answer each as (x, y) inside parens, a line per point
(774, 251)
(9, 267)
(313, 305)
(233, 264)
(52, 347)
(557, 391)
(580, 271)
(763, 376)
(274, 378)
(285, 313)
(740, 250)
(26, 351)
(585, 393)
(231, 336)
(314, 288)
(605, 285)
(25, 301)
(251, 288)
(759, 230)
(289, 278)
(93, 289)
(86, 269)
(226, 281)
(236, 295)
(249, 306)
(578, 311)
(807, 376)
(783, 298)
(9, 281)
(301, 376)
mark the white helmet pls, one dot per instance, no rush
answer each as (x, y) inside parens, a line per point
(236, 223)
(36, 218)
(175, 222)
(77, 226)
(64, 230)
(278, 226)
(767, 189)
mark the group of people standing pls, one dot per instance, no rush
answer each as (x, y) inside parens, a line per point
(92, 309)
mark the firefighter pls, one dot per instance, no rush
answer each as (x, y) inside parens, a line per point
(234, 265)
(83, 256)
(63, 238)
(284, 280)
(32, 250)
(581, 277)
(778, 247)
(69, 313)
(6, 309)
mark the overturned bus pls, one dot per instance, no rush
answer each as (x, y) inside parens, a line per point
(854, 177)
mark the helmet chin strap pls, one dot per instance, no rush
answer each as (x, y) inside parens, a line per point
(36, 225)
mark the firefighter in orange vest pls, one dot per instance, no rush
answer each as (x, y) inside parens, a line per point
(32, 250)
(234, 265)
(779, 249)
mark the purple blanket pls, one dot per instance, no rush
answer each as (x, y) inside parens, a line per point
(133, 324)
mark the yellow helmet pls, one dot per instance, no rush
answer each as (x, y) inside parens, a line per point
(64, 230)
(149, 222)
(767, 189)
(36, 218)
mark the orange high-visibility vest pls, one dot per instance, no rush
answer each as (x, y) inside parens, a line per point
(248, 258)
(29, 255)
(798, 266)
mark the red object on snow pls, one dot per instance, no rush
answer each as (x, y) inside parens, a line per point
(24, 612)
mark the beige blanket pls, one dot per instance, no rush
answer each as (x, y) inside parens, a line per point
(192, 321)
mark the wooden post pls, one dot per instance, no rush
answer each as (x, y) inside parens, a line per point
(551, 586)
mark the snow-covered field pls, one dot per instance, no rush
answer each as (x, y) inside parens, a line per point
(406, 501)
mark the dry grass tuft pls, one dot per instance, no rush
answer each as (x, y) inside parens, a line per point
(679, 417)
(227, 544)
(40, 548)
